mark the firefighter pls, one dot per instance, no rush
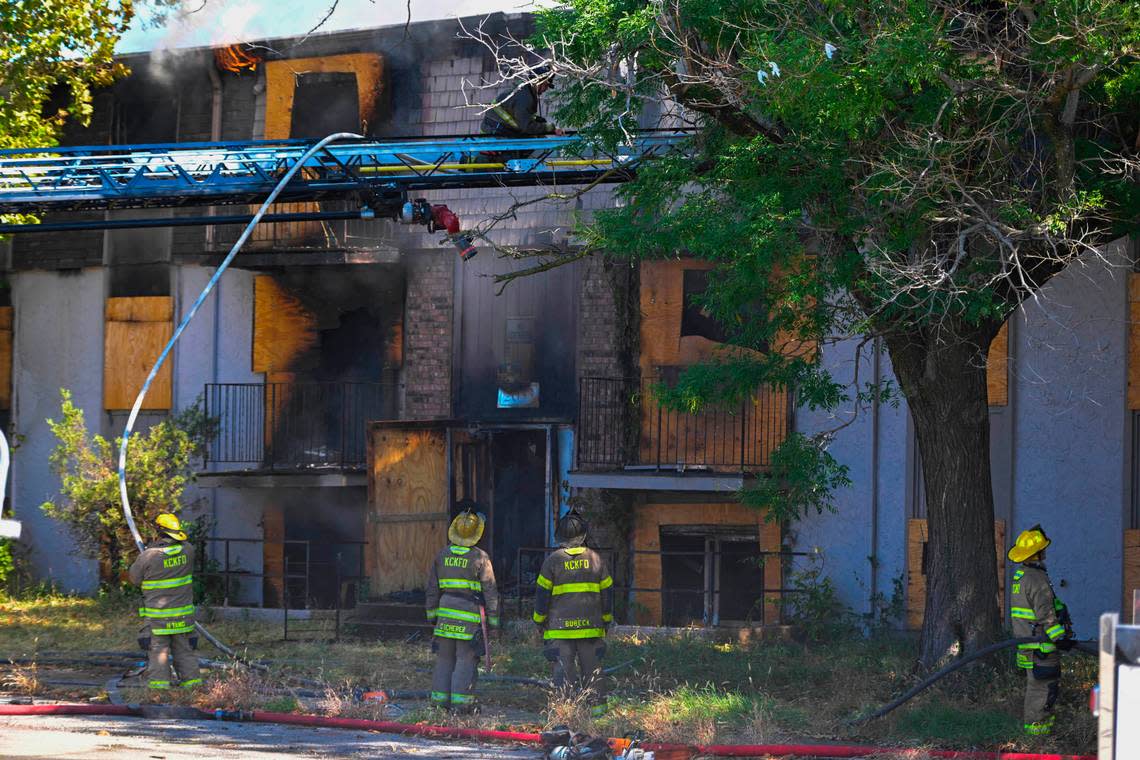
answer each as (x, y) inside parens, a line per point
(460, 590)
(1037, 612)
(515, 111)
(573, 607)
(164, 570)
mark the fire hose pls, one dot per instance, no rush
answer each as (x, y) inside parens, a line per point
(449, 732)
(957, 664)
(237, 246)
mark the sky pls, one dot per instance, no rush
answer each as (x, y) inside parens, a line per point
(222, 22)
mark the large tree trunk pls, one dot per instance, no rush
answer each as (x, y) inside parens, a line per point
(944, 381)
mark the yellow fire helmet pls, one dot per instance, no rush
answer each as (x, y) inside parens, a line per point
(1029, 543)
(467, 528)
(170, 525)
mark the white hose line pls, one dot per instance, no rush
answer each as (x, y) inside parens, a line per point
(8, 528)
(190, 315)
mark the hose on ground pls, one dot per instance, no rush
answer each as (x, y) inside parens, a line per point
(475, 734)
(237, 246)
(957, 664)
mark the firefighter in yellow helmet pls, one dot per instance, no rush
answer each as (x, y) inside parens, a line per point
(164, 570)
(1037, 612)
(573, 607)
(460, 586)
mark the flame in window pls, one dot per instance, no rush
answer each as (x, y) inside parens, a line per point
(234, 59)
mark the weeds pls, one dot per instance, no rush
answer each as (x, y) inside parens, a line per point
(679, 689)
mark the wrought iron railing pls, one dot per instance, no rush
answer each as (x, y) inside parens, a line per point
(293, 425)
(622, 425)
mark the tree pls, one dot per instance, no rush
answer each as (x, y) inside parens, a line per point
(55, 54)
(158, 472)
(907, 170)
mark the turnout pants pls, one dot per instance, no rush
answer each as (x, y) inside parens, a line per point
(456, 668)
(578, 665)
(1042, 685)
(164, 649)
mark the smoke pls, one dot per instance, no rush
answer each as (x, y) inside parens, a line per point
(216, 23)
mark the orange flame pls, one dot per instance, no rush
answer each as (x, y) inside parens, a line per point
(234, 59)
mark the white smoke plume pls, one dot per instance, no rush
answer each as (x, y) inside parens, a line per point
(225, 22)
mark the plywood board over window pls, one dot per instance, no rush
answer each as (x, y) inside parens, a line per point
(283, 327)
(997, 368)
(281, 78)
(135, 332)
(1134, 340)
(917, 536)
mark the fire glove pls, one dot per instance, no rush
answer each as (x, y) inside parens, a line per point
(1066, 644)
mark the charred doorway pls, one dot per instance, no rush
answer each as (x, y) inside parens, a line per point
(506, 474)
(321, 550)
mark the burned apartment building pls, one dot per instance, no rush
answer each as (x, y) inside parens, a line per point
(366, 380)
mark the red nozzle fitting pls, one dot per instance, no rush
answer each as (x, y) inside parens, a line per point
(444, 218)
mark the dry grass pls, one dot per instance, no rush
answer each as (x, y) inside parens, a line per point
(681, 689)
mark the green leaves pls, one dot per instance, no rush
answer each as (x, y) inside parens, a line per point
(159, 468)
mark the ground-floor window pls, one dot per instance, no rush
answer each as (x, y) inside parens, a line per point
(711, 575)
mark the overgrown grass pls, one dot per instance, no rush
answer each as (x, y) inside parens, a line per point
(679, 689)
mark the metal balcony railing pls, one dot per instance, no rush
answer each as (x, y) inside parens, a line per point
(293, 425)
(621, 425)
(313, 235)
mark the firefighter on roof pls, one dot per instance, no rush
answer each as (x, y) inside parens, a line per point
(1037, 612)
(515, 111)
(164, 572)
(573, 607)
(460, 586)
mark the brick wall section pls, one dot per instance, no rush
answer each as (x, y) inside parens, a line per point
(429, 306)
(599, 323)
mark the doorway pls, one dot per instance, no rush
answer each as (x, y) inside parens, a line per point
(711, 576)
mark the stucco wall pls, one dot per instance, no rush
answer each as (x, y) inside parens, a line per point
(58, 343)
(845, 537)
(1068, 382)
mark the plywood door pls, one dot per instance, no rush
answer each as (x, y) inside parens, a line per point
(407, 504)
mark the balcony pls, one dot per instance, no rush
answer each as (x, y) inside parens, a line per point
(621, 426)
(293, 426)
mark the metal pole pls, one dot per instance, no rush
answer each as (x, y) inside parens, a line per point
(336, 627)
(226, 577)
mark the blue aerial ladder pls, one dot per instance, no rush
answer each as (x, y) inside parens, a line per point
(380, 176)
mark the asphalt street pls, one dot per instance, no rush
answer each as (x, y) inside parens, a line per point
(64, 738)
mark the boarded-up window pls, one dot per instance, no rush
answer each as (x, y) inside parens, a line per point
(695, 318)
(916, 569)
(135, 332)
(324, 103)
(283, 327)
(997, 368)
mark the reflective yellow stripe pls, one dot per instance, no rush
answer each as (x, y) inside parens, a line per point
(440, 696)
(191, 682)
(151, 612)
(460, 549)
(1022, 613)
(505, 116)
(1055, 632)
(607, 618)
(459, 636)
(606, 583)
(574, 551)
(460, 583)
(462, 699)
(576, 588)
(431, 614)
(172, 630)
(447, 612)
(184, 580)
(172, 550)
(539, 618)
(575, 633)
(545, 582)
